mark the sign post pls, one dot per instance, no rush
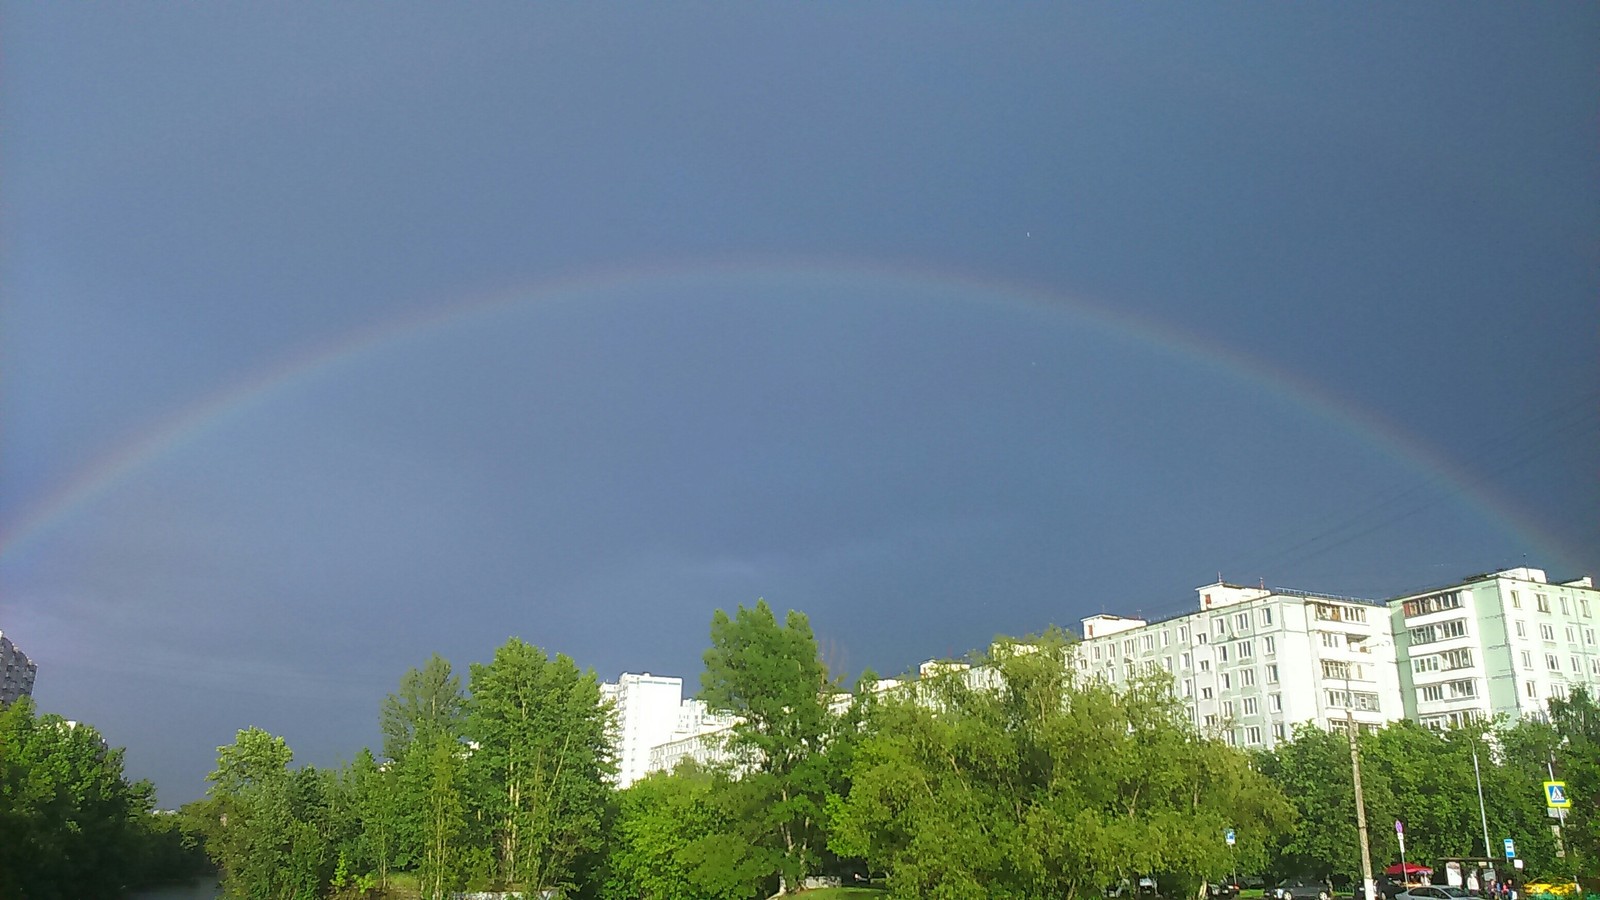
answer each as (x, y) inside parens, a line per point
(1511, 849)
(1400, 832)
(1231, 838)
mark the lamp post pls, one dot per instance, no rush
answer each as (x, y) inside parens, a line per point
(1368, 885)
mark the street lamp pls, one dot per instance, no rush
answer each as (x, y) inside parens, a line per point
(1368, 885)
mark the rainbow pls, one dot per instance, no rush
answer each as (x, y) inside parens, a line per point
(323, 360)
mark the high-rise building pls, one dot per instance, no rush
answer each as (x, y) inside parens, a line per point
(1252, 663)
(1501, 643)
(16, 672)
(651, 712)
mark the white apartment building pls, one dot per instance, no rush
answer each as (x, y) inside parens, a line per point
(16, 672)
(1252, 663)
(1504, 643)
(651, 712)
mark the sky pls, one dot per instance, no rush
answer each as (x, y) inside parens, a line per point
(336, 335)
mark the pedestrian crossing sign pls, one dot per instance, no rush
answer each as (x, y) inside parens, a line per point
(1555, 795)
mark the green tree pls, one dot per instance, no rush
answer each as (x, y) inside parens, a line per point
(677, 838)
(71, 825)
(542, 754)
(429, 701)
(770, 676)
(267, 825)
(1576, 720)
(1018, 780)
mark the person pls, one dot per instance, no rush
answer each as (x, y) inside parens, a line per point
(1472, 882)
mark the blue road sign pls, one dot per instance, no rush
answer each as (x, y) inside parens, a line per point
(1228, 836)
(1511, 849)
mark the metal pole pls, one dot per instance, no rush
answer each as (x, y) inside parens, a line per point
(1483, 816)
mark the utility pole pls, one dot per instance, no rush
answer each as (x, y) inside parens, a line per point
(1369, 887)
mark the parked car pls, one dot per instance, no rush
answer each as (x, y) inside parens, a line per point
(1302, 889)
(1222, 890)
(1433, 892)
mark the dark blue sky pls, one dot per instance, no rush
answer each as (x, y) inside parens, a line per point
(933, 321)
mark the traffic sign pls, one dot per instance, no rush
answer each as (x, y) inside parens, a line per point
(1555, 795)
(1511, 849)
(1229, 837)
(1399, 827)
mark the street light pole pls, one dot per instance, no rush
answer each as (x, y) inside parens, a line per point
(1483, 815)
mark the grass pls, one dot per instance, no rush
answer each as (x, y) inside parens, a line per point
(840, 893)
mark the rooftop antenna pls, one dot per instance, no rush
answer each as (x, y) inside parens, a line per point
(1263, 583)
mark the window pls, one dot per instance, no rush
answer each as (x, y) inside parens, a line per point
(1227, 709)
(1516, 600)
(1547, 632)
(1245, 649)
(1211, 721)
(1572, 635)
(1249, 706)
(1205, 665)
(1183, 633)
(1127, 647)
(1522, 628)
(1423, 635)
(1588, 636)
(1577, 666)
(1111, 672)
(1252, 735)
(1265, 616)
(1457, 659)
(1421, 606)
(1332, 668)
(1188, 660)
(1527, 660)
(1431, 693)
(1566, 610)
(1222, 653)
(1275, 703)
(1278, 730)
(1332, 639)
(1227, 681)
(1272, 674)
(1247, 677)
(1330, 612)
(1426, 664)
(1166, 638)
(1147, 642)
(1232, 739)
(1583, 607)
(1542, 601)
(1241, 622)
(1552, 662)
(1531, 688)
(1594, 665)
(1462, 689)
(1452, 629)
(1097, 652)
(1220, 625)
(1188, 687)
(1166, 663)
(1205, 693)
(1202, 638)
(1269, 646)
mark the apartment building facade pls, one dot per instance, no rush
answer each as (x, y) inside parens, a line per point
(1503, 643)
(1251, 663)
(651, 712)
(16, 672)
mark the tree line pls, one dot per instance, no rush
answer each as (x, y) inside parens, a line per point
(1017, 778)
(71, 823)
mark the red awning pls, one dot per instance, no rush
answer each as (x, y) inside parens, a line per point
(1409, 868)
